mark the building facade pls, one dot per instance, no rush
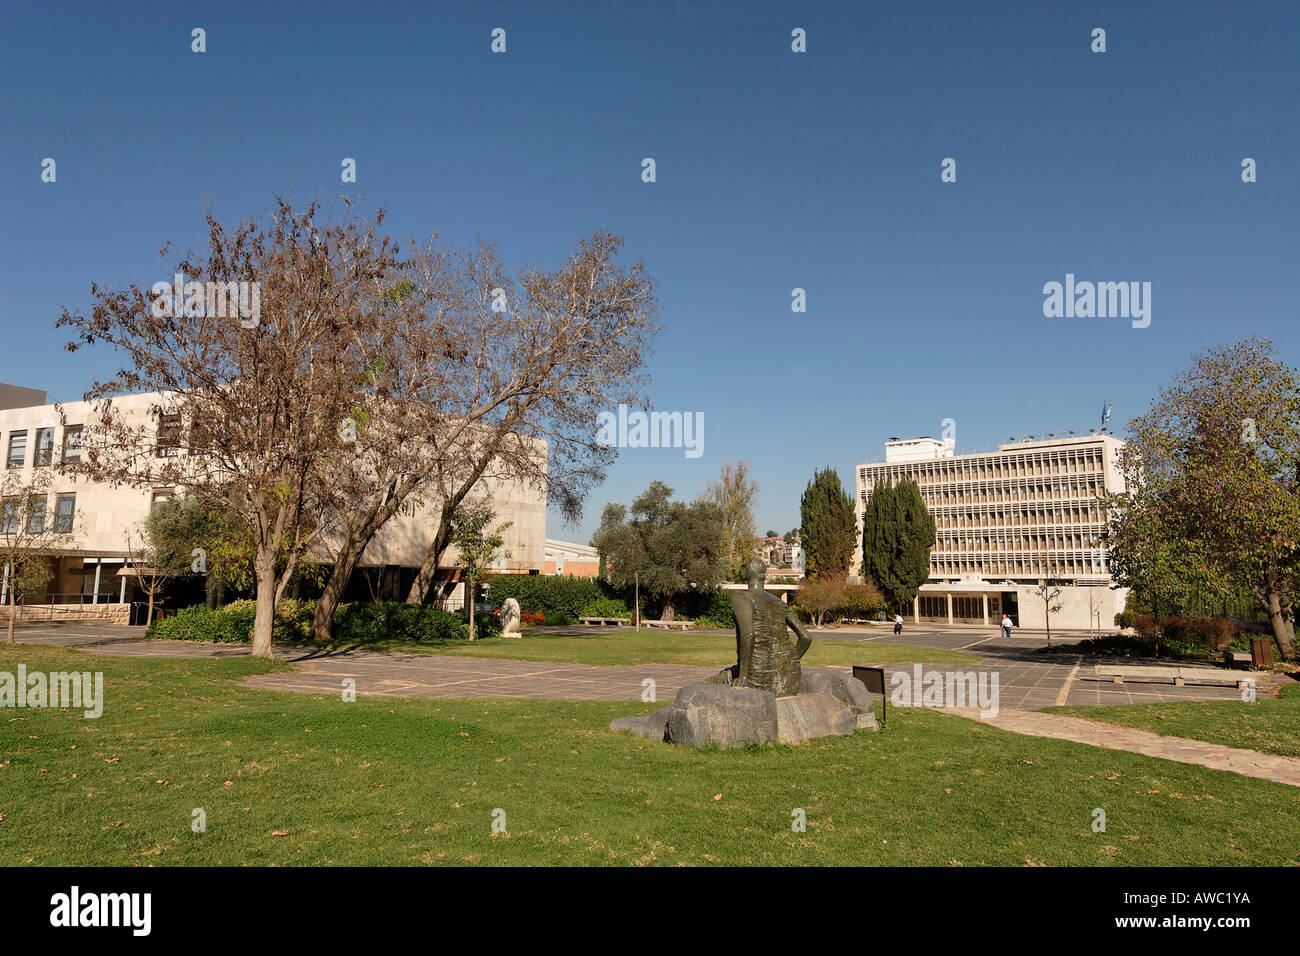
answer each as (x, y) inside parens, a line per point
(569, 557)
(1007, 521)
(91, 569)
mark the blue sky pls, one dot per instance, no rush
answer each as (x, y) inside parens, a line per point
(775, 170)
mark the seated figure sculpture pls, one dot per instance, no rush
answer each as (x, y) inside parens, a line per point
(767, 657)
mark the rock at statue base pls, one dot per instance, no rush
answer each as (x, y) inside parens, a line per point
(654, 726)
(829, 703)
(706, 714)
(806, 717)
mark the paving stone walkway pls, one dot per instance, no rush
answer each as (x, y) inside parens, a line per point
(1027, 680)
(1250, 763)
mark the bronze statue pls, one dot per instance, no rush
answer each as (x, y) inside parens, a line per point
(767, 658)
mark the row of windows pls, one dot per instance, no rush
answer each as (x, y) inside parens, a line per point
(65, 510)
(1026, 517)
(1074, 461)
(168, 443)
(1028, 542)
(934, 607)
(1021, 491)
(16, 452)
(1010, 565)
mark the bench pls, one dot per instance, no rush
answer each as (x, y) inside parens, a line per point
(1237, 658)
(668, 624)
(604, 621)
(1178, 676)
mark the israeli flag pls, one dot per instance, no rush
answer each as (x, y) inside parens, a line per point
(1105, 414)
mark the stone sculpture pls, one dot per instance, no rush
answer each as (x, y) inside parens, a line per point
(510, 618)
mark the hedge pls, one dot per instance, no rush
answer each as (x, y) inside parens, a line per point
(353, 623)
(546, 594)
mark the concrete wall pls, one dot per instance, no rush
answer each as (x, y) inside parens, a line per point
(1076, 610)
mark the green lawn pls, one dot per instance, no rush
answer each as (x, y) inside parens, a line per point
(1271, 726)
(392, 781)
(658, 647)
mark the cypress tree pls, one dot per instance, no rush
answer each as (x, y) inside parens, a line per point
(897, 535)
(828, 526)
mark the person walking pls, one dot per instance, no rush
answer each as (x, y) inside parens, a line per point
(898, 623)
(1006, 625)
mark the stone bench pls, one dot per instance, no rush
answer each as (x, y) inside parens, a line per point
(604, 621)
(683, 625)
(1178, 676)
(1237, 658)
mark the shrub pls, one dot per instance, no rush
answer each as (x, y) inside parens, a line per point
(605, 607)
(556, 619)
(861, 601)
(707, 623)
(1124, 619)
(362, 623)
(1146, 627)
(232, 624)
(542, 594)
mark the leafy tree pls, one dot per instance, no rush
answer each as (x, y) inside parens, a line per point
(771, 534)
(478, 545)
(734, 493)
(204, 540)
(897, 535)
(820, 596)
(1213, 480)
(828, 526)
(667, 545)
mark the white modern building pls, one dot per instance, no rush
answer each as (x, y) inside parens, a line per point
(88, 572)
(1007, 521)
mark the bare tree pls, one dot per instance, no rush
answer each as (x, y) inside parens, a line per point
(30, 537)
(1049, 594)
(533, 379)
(248, 412)
(152, 563)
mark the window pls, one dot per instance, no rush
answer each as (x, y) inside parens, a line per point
(161, 496)
(36, 517)
(72, 443)
(17, 456)
(9, 516)
(169, 435)
(44, 446)
(65, 511)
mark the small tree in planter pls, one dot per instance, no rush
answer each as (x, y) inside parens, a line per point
(1050, 595)
(478, 545)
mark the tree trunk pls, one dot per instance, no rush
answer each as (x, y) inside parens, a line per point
(469, 603)
(429, 566)
(13, 606)
(264, 619)
(148, 618)
(210, 592)
(1279, 619)
(442, 537)
(323, 618)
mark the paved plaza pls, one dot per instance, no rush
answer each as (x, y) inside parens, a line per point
(1027, 681)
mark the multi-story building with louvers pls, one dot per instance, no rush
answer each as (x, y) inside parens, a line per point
(1005, 522)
